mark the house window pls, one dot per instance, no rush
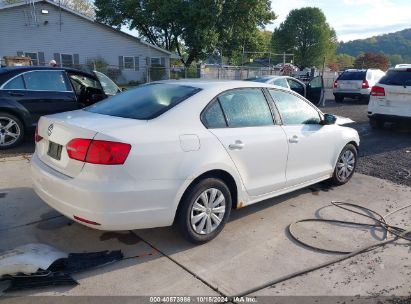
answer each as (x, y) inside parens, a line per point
(128, 63)
(66, 60)
(34, 58)
(155, 61)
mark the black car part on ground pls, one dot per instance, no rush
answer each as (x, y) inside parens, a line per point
(380, 222)
(59, 273)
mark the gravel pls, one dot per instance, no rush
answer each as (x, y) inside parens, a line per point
(383, 153)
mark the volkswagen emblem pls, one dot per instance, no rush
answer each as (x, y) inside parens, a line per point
(50, 129)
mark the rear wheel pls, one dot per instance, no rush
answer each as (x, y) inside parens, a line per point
(376, 123)
(11, 131)
(346, 164)
(204, 210)
(339, 98)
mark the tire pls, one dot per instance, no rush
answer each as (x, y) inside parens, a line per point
(366, 98)
(376, 123)
(199, 229)
(10, 124)
(346, 160)
(339, 98)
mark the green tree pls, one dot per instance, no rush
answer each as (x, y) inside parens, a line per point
(344, 61)
(396, 59)
(306, 33)
(372, 61)
(192, 28)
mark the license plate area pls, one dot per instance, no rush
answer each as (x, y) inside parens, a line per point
(54, 150)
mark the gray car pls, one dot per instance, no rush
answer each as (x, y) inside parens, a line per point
(313, 91)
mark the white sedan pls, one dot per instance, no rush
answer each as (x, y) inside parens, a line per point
(186, 152)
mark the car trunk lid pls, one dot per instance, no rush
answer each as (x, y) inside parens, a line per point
(59, 129)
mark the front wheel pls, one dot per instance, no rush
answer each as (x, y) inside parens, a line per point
(204, 210)
(346, 164)
(11, 131)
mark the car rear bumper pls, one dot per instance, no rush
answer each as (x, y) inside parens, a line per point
(389, 118)
(135, 205)
(353, 94)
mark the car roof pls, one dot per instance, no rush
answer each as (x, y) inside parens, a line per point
(19, 69)
(220, 84)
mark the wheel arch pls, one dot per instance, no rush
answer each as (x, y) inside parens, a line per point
(223, 175)
(16, 113)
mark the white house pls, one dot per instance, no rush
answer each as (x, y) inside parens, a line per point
(44, 30)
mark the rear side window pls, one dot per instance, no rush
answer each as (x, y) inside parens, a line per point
(46, 81)
(15, 84)
(282, 82)
(145, 102)
(397, 78)
(246, 108)
(360, 75)
(213, 116)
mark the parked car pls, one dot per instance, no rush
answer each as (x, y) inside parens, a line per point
(312, 91)
(186, 152)
(26, 93)
(356, 84)
(391, 98)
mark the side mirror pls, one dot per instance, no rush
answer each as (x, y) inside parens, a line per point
(329, 119)
(123, 89)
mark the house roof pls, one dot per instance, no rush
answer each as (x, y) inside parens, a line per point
(69, 10)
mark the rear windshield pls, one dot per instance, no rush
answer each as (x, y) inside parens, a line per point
(145, 102)
(397, 78)
(360, 75)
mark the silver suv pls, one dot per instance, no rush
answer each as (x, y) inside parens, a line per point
(356, 84)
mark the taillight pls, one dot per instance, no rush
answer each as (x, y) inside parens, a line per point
(335, 84)
(377, 91)
(77, 148)
(365, 84)
(99, 152)
(37, 137)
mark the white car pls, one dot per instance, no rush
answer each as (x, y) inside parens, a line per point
(354, 83)
(391, 98)
(186, 153)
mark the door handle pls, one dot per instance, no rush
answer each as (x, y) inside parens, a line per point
(293, 139)
(16, 94)
(237, 145)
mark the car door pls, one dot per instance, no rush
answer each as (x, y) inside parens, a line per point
(311, 151)
(257, 146)
(47, 92)
(315, 90)
(296, 86)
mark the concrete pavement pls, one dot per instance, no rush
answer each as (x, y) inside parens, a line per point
(253, 249)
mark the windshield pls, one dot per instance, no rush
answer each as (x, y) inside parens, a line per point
(145, 102)
(109, 87)
(357, 75)
(397, 78)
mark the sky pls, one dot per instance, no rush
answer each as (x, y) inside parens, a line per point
(353, 19)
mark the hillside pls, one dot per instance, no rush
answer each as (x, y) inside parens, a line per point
(398, 43)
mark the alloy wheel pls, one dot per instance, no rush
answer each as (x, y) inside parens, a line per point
(345, 165)
(208, 211)
(9, 131)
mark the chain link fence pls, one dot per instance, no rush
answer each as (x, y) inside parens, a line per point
(132, 77)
